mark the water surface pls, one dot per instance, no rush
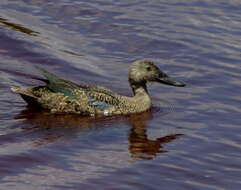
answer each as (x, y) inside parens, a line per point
(189, 140)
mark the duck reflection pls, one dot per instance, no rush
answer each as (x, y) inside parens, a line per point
(140, 146)
(64, 126)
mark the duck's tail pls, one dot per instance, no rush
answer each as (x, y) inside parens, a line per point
(26, 94)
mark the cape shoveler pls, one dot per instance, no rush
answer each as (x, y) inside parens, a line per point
(62, 96)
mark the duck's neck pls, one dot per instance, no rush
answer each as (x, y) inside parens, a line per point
(139, 89)
(141, 100)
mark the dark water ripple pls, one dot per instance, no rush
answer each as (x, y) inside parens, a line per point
(189, 140)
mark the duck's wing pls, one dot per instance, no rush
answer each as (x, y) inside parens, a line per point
(98, 96)
(101, 97)
(57, 84)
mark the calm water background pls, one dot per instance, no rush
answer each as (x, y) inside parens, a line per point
(191, 139)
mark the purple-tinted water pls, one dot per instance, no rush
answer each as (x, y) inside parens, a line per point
(191, 139)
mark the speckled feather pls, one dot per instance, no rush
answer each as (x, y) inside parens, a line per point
(62, 96)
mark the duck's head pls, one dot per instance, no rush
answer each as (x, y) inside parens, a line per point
(143, 71)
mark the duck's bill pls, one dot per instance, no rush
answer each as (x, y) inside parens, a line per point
(169, 81)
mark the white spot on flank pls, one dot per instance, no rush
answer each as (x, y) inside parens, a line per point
(106, 113)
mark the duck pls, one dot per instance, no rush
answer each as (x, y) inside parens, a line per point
(61, 96)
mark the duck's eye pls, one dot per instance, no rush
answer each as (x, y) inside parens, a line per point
(148, 68)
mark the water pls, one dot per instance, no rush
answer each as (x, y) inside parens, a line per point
(189, 140)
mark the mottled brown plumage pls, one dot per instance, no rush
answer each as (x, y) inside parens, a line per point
(62, 96)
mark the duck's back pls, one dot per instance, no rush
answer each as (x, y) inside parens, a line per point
(85, 100)
(63, 96)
